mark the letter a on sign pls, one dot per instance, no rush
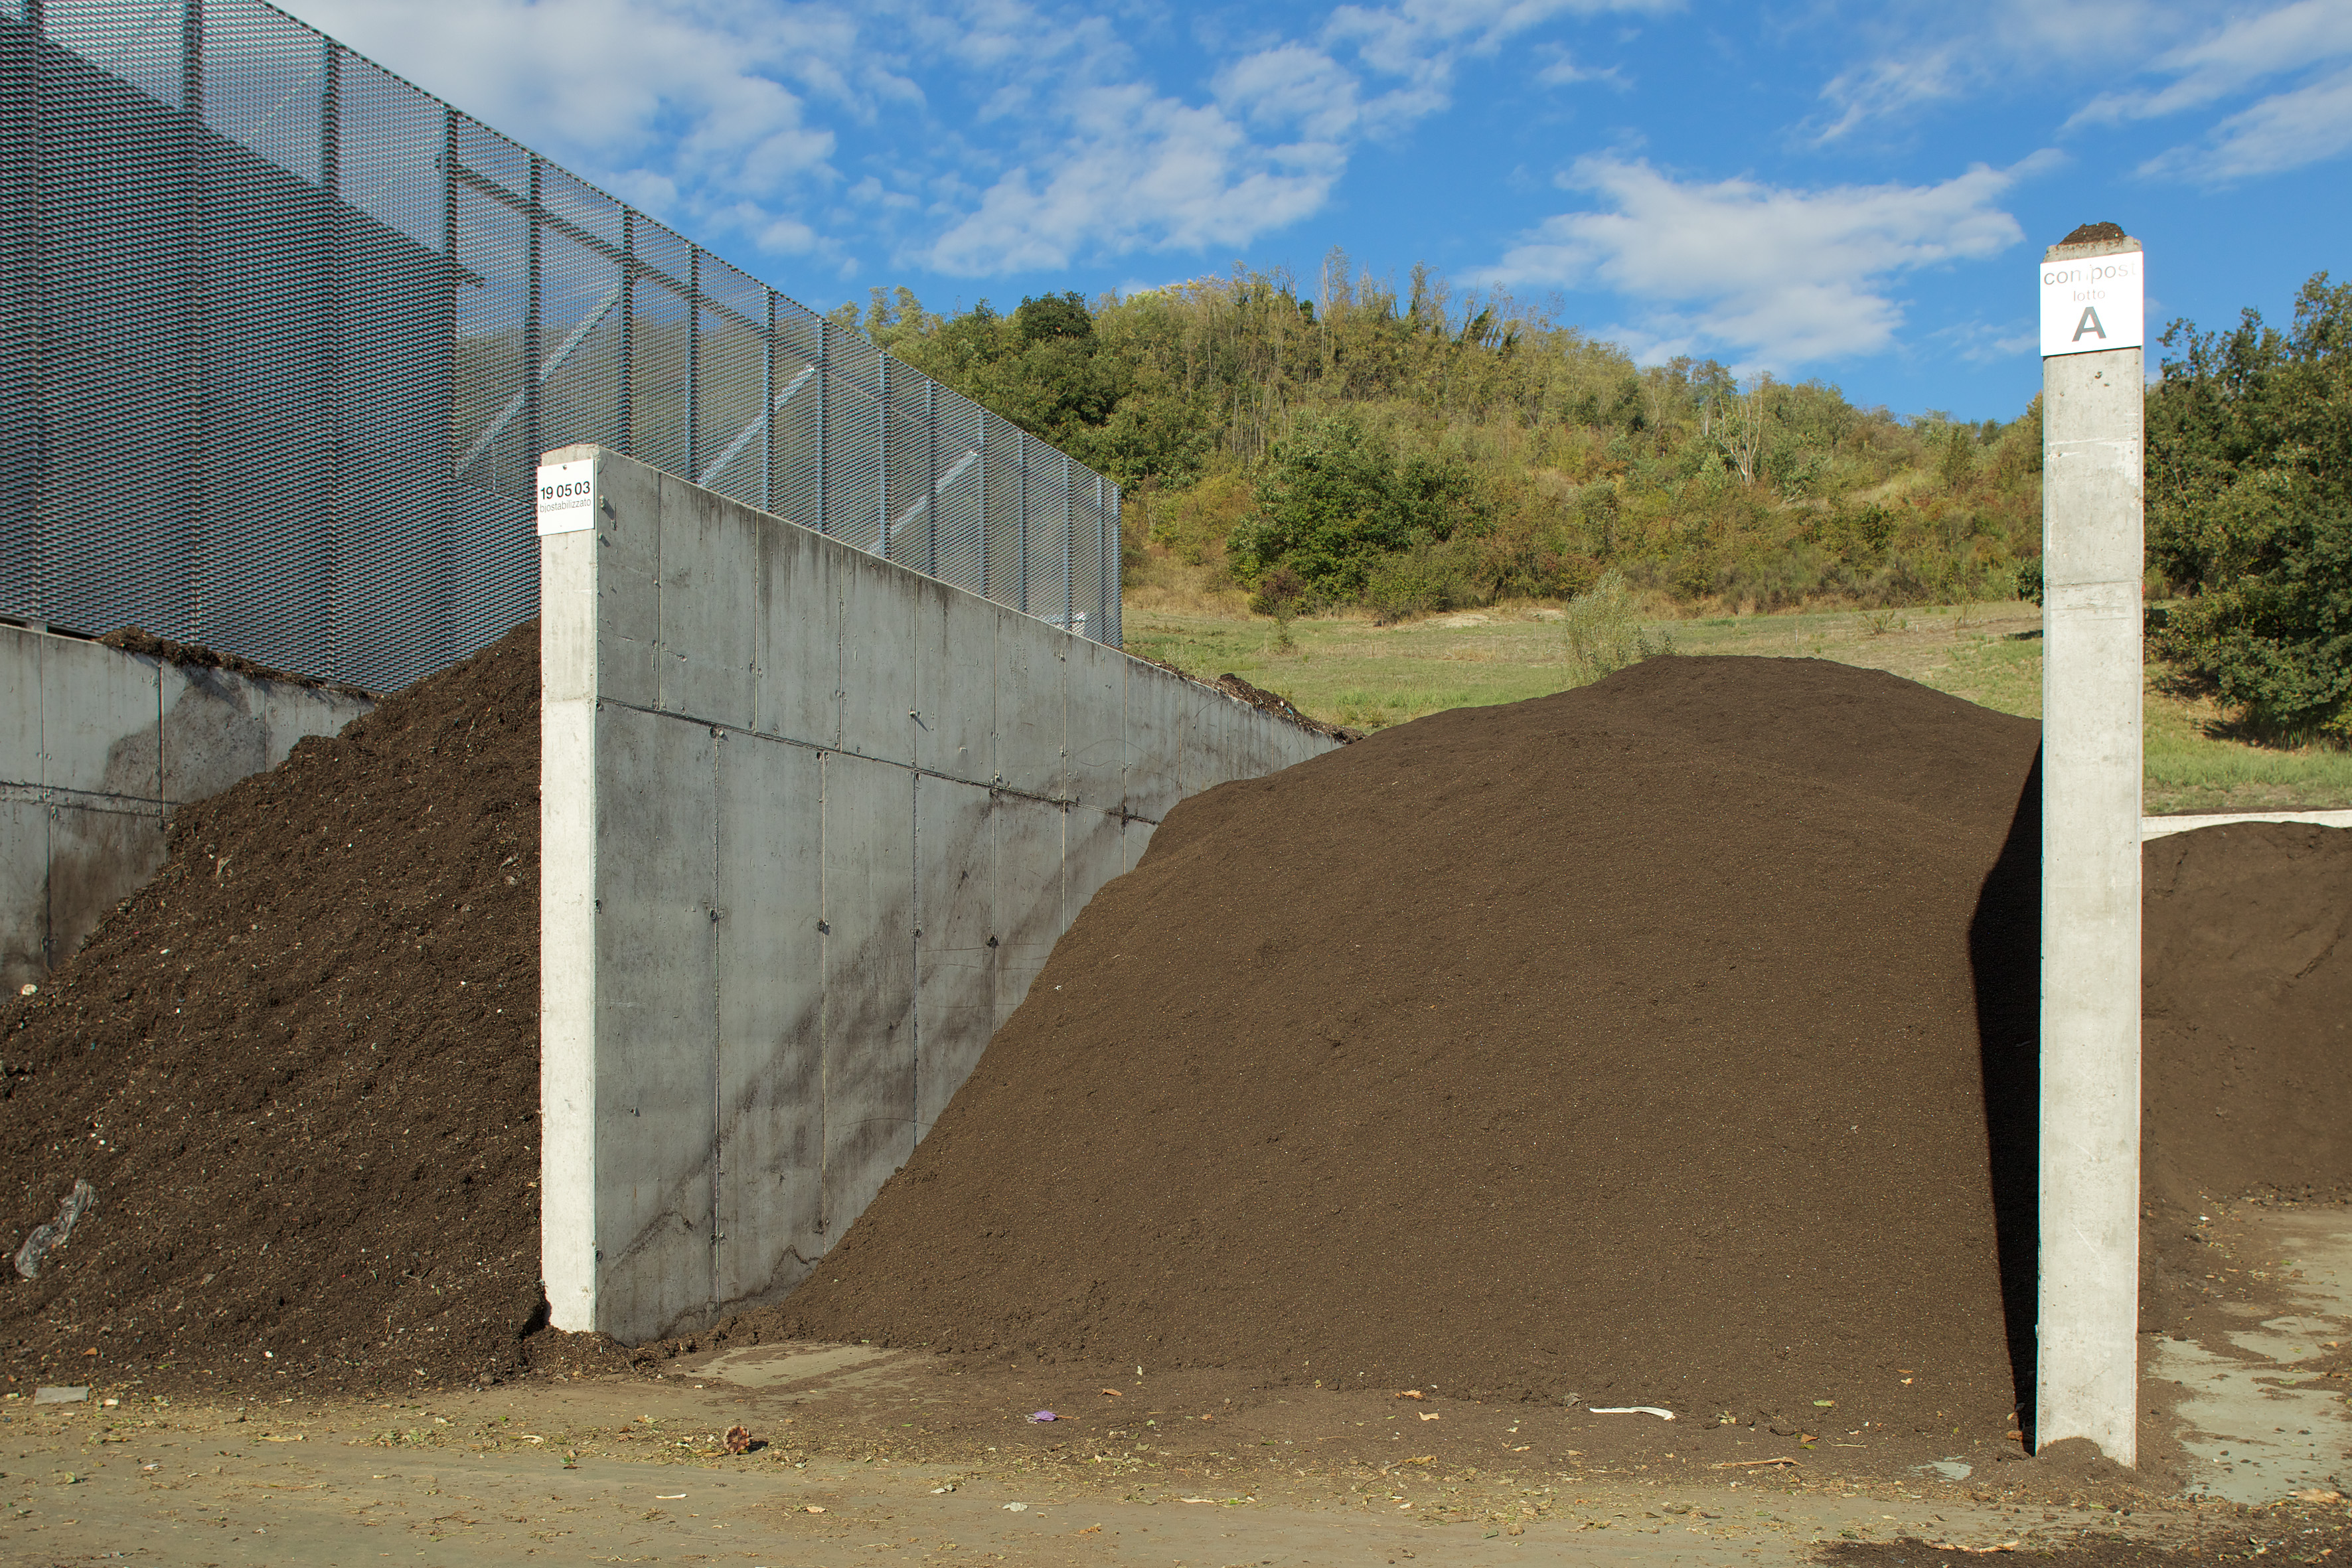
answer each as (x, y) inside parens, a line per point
(2092, 302)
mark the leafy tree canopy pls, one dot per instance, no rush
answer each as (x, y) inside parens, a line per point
(2250, 509)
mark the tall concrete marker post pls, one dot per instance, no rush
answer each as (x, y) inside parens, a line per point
(2087, 1365)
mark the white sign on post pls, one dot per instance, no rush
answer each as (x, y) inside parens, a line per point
(567, 496)
(2091, 304)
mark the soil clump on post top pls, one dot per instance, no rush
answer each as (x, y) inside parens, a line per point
(300, 1070)
(1621, 1045)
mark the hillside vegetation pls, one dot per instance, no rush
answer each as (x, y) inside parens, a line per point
(1415, 449)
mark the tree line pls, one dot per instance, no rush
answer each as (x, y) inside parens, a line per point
(1412, 448)
(1415, 447)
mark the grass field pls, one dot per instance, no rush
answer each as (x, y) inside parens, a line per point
(1346, 669)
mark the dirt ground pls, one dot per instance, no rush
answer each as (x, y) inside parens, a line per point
(862, 1455)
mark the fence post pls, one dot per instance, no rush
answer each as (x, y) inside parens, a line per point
(823, 412)
(192, 301)
(693, 354)
(931, 477)
(882, 446)
(1069, 551)
(1104, 577)
(768, 413)
(2086, 1372)
(24, 292)
(328, 654)
(532, 344)
(1021, 539)
(441, 638)
(627, 411)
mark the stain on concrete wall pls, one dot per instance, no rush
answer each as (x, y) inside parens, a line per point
(97, 748)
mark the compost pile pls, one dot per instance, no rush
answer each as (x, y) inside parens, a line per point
(300, 1070)
(2246, 1013)
(1622, 1044)
(1632, 1045)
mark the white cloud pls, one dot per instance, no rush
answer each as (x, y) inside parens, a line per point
(1777, 276)
(2284, 130)
(1292, 84)
(1141, 171)
(2289, 59)
(1925, 53)
(1560, 70)
(2247, 51)
(1116, 166)
(1887, 88)
(1049, 139)
(696, 109)
(2307, 118)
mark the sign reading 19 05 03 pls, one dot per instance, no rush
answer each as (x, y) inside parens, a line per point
(2093, 302)
(567, 496)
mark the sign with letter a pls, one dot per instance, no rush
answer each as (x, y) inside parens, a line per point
(2091, 303)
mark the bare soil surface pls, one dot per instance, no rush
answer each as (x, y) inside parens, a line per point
(860, 1455)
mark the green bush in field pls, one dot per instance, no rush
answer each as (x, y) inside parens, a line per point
(1604, 632)
(1334, 503)
(2250, 511)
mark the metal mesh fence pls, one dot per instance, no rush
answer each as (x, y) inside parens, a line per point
(282, 337)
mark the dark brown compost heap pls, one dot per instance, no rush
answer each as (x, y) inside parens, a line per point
(1623, 1043)
(2246, 1010)
(1631, 1042)
(300, 1068)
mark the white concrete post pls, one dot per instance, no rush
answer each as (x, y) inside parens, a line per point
(2087, 1372)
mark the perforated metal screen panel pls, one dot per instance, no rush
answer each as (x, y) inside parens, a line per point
(281, 338)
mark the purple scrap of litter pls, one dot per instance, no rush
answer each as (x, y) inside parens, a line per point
(1044, 1415)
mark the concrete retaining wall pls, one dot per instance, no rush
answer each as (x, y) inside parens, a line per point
(811, 824)
(97, 747)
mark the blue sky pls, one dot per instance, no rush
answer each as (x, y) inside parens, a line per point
(1814, 188)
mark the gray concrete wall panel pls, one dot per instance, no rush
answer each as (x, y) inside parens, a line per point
(878, 613)
(215, 731)
(24, 887)
(1095, 723)
(98, 714)
(656, 990)
(770, 982)
(1032, 695)
(98, 858)
(955, 908)
(1028, 837)
(292, 714)
(20, 706)
(955, 686)
(782, 915)
(1137, 839)
(800, 639)
(1094, 851)
(869, 975)
(628, 581)
(97, 748)
(709, 605)
(1152, 712)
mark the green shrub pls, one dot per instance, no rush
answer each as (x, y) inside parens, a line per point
(1604, 630)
